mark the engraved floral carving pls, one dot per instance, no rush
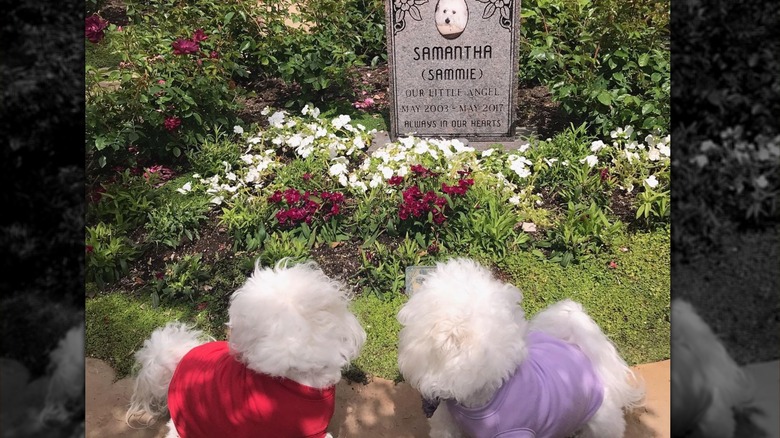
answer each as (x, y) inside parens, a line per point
(504, 8)
(404, 8)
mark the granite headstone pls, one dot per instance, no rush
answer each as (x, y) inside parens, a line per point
(453, 68)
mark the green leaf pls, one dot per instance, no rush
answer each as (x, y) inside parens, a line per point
(605, 98)
(228, 17)
(643, 59)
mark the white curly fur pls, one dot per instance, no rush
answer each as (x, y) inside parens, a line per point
(707, 385)
(463, 336)
(286, 321)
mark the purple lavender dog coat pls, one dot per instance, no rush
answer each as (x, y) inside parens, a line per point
(552, 394)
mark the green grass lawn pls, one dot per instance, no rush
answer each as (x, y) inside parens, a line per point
(630, 302)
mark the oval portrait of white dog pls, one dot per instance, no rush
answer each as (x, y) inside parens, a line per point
(451, 17)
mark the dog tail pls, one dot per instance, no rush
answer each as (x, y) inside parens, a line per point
(567, 320)
(155, 363)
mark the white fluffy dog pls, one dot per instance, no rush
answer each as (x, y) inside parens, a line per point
(465, 341)
(451, 17)
(707, 385)
(290, 335)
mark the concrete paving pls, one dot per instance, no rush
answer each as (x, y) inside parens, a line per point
(380, 409)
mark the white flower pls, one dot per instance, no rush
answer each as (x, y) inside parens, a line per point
(265, 111)
(622, 132)
(596, 146)
(291, 123)
(196, 175)
(305, 151)
(664, 149)
(550, 161)
(340, 121)
(386, 171)
(254, 140)
(421, 147)
(519, 165)
(359, 143)
(321, 132)
(488, 152)
(185, 188)
(238, 130)
(460, 147)
(277, 119)
(707, 145)
(653, 154)
(217, 200)
(295, 140)
(700, 160)
(402, 171)
(761, 182)
(278, 140)
(408, 142)
(252, 175)
(339, 168)
(592, 160)
(651, 181)
(514, 200)
(376, 181)
(631, 156)
(343, 179)
(231, 176)
(524, 147)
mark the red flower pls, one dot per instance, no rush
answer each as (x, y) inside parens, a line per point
(306, 176)
(395, 180)
(612, 265)
(214, 54)
(433, 249)
(202, 305)
(172, 123)
(184, 47)
(90, 249)
(159, 275)
(604, 174)
(291, 196)
(419, 169)
(199, 36)
(276, 197)
(93, 28)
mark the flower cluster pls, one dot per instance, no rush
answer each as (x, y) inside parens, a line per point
(185, 46)
(301, 207)
(94, 27)
(417, 205)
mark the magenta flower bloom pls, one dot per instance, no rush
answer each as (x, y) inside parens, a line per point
(395, 180)
(172, 123)
(185, 47)
(93, 28)
(199, 36)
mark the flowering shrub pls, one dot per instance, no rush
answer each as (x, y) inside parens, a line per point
(166, 95)
(305, 207)
(443, 194)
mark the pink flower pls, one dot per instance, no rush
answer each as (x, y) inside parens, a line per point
(93, 28)
(306, 176)
(612, 264)
(214, 54)
(184, 47)
(364, 104)
(199, 36)
(172, 123)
